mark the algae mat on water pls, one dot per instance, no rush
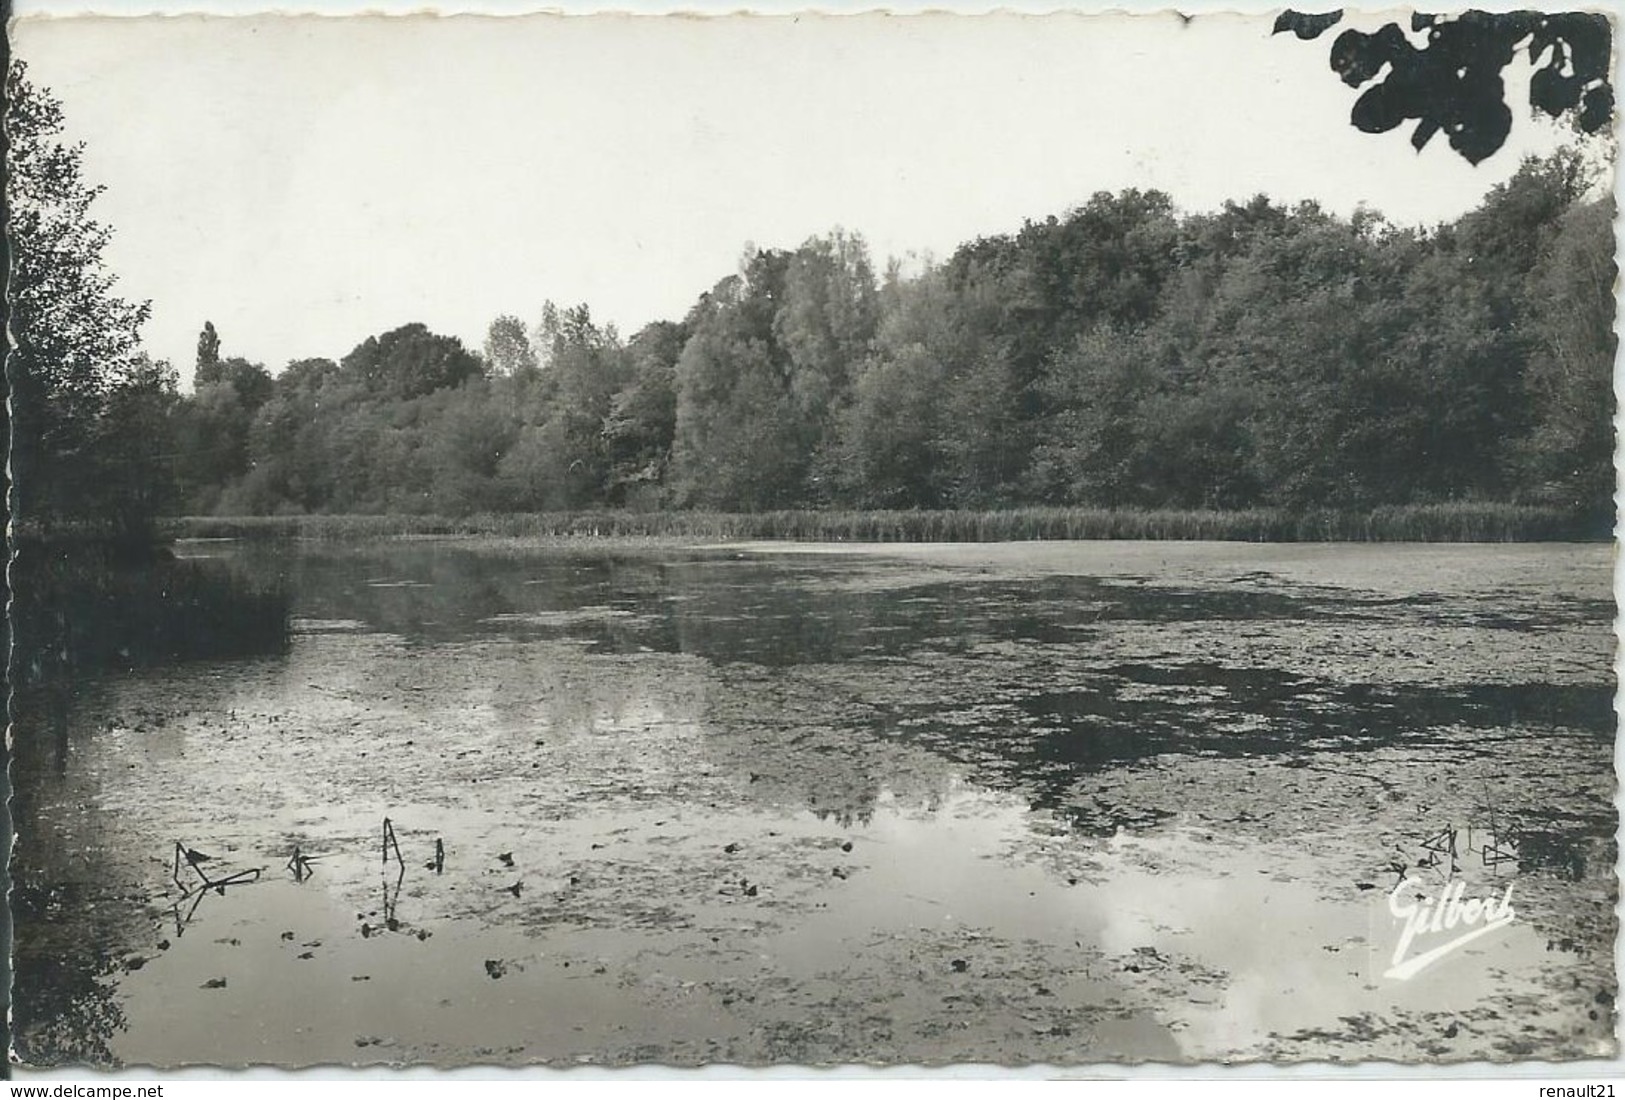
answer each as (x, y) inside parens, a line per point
(1064, 803)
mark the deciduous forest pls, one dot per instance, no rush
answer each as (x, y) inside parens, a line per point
(1122, 354)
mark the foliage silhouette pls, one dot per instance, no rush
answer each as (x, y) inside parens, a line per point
(1453, 81)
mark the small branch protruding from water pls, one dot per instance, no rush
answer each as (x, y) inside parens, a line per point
(301, 865)
(389, 842)
(195, 860)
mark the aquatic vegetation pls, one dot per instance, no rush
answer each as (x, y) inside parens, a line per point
(1449, 522)
(1065, 802)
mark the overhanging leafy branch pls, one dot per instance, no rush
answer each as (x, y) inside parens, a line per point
(1452, 80)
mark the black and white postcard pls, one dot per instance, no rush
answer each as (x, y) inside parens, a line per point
(791, 540)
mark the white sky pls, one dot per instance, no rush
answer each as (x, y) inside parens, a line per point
(306, 182)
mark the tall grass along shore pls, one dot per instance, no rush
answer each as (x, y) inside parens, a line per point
(1449, 522)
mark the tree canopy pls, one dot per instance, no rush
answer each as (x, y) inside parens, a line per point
(87, 408)
(1119, 354)
(411, 361)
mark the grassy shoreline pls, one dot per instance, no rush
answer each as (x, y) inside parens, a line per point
(1454, 522)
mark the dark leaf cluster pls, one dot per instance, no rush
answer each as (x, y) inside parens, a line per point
(1452, 80)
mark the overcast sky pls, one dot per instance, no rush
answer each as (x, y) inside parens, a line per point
(306, 182)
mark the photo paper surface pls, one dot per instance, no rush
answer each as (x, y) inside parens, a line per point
(791, 539)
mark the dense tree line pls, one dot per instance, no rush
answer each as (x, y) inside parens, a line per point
(1123, 354)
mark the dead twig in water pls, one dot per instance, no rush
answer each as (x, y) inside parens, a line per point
(389, 842)
(392, 897)
(195, 860)
(180, 921)
(301, 865)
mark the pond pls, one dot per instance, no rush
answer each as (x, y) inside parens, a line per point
(775, 803)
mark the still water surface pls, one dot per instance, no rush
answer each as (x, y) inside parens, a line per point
(1064, 803)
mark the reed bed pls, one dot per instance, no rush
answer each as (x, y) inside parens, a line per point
(1444, 522)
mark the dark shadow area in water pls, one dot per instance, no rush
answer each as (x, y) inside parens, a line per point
(777, 611)
(1212, 709)
(67, 1008)
(1127, 715)
(1563, 842)
(79, 916)
(80, 609)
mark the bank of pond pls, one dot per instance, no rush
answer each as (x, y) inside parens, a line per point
(1443, 522)
(84, 603)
